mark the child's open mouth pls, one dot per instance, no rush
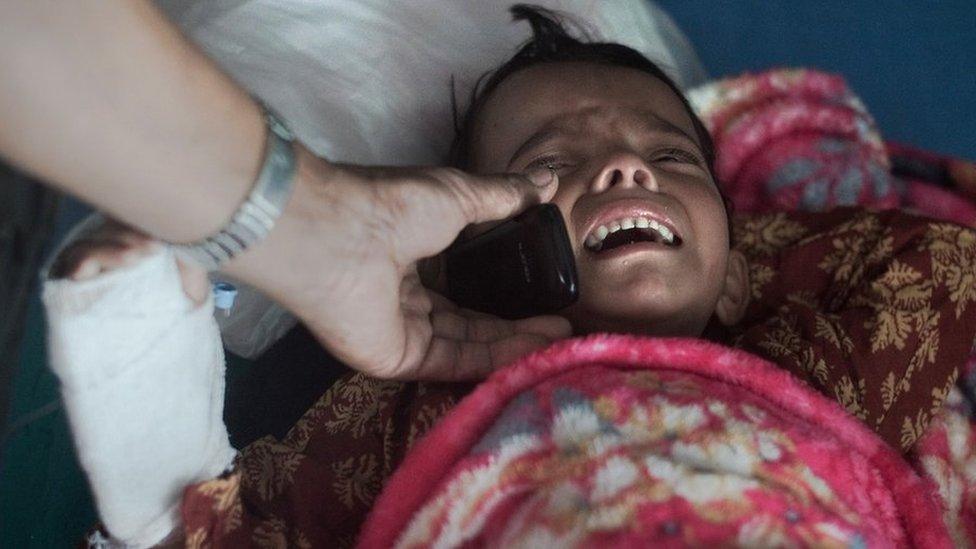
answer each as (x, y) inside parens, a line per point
(630, 230)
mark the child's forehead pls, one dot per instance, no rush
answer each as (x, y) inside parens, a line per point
(559, 82)
(575, 97)
(595, 123)
(597, 119)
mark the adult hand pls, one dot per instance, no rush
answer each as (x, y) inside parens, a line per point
(344, 258)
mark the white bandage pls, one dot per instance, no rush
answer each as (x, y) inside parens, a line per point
(142, 376)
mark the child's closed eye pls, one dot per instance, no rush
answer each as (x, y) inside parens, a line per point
(554, 163)
(673, 154)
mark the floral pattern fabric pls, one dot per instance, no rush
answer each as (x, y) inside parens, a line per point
(633, 442)
(800, 139)
(875, 309)
(314, 487)
(795, 139)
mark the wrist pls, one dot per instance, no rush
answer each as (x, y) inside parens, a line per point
(257, 214)
(311, 210)
(226, 166)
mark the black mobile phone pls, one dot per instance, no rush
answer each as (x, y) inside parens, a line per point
(521, 268)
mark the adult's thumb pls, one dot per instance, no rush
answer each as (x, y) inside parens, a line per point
(492, 197)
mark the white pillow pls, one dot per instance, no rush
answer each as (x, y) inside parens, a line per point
(368, 81)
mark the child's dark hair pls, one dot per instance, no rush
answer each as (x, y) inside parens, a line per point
(551, 43)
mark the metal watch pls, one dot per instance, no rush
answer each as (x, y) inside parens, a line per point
(254, 219)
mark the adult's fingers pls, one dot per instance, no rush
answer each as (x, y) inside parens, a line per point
(470, 326)
(449, 320)
(461, 360)
(468, 345)
(553, 327)
(418, 216)
(414, 297)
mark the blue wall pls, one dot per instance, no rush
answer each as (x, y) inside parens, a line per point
(913, 63)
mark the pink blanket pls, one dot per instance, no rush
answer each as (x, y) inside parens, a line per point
(800, 139)
(625, 441)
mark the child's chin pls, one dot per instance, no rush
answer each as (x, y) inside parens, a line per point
(626, 320)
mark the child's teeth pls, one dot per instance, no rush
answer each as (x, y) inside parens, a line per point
(595, 239)
(666, 233)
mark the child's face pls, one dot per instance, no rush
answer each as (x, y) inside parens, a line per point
(624, 148)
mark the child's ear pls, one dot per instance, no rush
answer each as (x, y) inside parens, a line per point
(732, 303)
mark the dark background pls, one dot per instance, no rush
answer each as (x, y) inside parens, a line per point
(912, 63)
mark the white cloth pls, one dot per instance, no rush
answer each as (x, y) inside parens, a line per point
(142, 377)
(369, 81)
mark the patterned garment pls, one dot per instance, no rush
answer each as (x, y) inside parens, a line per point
(617, 441)
(876, 310)
(314, 487)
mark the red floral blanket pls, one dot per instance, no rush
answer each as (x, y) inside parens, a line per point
(629, 442)
(799, 139)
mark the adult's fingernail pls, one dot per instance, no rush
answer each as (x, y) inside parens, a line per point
(541, 177)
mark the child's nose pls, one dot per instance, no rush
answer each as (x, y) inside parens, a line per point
(624, 169)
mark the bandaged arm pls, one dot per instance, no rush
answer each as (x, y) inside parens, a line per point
(142, 377)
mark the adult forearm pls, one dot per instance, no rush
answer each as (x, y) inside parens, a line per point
(109, 102)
